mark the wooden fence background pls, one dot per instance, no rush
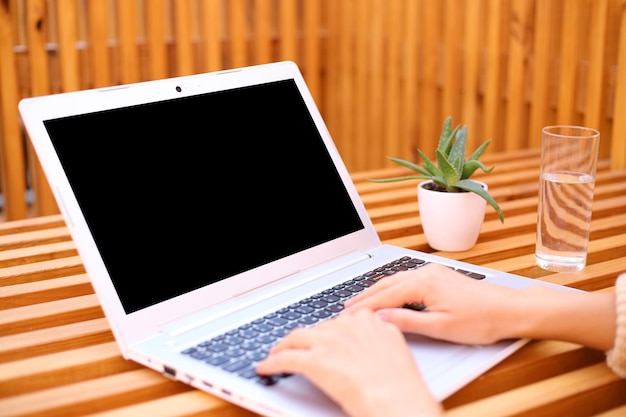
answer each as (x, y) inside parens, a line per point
(385, 73)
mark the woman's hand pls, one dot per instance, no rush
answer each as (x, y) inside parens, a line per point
(463, 310)
(358, 360)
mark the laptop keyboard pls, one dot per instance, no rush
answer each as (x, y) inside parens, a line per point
(239, 350)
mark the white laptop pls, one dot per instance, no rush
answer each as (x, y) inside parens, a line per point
(204, 209)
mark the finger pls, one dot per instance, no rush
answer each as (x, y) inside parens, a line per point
(298, 338)
(284, 362)
(394, 295)
(431, 324)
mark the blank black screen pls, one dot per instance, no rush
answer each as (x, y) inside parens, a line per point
(182, 193)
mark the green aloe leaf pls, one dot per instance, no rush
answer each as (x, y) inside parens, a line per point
(474, 187)
(408, 164)
(395, 179)
(447, 134)
(457, 154)
(478, 152)
(429, 165)
(449, 171)
(471, 166)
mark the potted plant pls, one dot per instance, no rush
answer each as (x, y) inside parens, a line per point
(452, 206)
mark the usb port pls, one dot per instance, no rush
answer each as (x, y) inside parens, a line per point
(169, 372)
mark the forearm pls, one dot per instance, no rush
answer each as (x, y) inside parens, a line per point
(584, 318)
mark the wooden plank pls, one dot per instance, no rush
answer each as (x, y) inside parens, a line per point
(312, 54)
(99, 394)
(128, 48)
(12, 164)
(580, 390)
(50, 314)
(534, 363)
(473, 23)
(375, 89)
(409, 95)
(569, 61)
(361, 82)
(593, 103)
(393, 79)
(30, 293)
(211, 31)
(31, 224)
(517, 75)
(493, 72)
(39, 73)
(31, 238)
(39, 253)
(237, 32)
(262, 38)
(20, 273)
(156, 40)
(430, 116)
(70, 366)
(187, 404)
(453, 34)
(618, 141)
(544, 59)
(185, 64)
(54, 339)
(288, 23)
(100, 60)
(345, 100)
(68, 36)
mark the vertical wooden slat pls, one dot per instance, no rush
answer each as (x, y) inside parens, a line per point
(157, 46)
(618, 142)
(288, 20)
(331, 79)
(129, 59)
(392, 88)
(410, 103)
(11, 153)
(36, 18)
(98, 43)
(545, 20)
(211, 29)
(312, 58)
(68, 36)
(430, 115)
(519, 43)
(237, 33)
(375, 67)
(493, 75)
(470, 73)
(593, 104)
(452, 62)
(570, 46)
(262, 39)
(345, 87)
(183, 38)
(362, 30)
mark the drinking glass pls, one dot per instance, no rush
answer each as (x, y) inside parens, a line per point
(569, 156)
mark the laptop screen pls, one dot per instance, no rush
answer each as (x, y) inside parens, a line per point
(191, 191)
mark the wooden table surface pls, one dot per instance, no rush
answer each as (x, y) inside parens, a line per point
(58, 356)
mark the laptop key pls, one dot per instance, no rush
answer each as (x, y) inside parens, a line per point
(239, 350)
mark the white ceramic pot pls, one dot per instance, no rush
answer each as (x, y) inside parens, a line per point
(451, 221)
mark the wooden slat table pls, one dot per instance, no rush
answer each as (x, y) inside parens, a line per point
(58, 356)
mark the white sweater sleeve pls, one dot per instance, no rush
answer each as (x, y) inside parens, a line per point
(616, 357)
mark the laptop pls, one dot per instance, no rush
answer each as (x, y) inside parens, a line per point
(214, 209)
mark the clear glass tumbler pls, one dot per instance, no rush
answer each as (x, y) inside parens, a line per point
(569, 155)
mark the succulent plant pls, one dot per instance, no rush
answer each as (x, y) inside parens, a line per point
(452, 171)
